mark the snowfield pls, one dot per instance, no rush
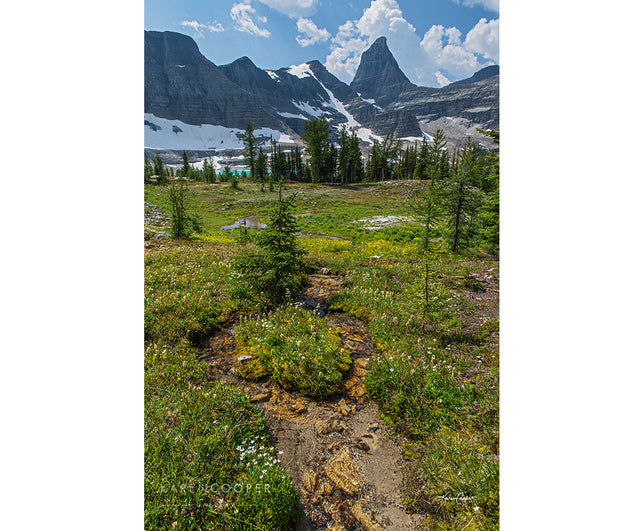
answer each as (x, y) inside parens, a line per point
(174, 134)
(301, 71)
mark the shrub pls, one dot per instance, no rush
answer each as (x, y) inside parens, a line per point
(298, 349)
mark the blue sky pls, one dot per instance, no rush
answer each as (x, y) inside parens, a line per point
(434, 41)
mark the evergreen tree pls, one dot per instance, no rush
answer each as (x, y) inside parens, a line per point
(261, 166)
(344, 159)
(227, 175)
(490, 208)
(185, 169)
(183, 223)
(208, 170)
(356, 165)
(160, 171)
(406, 165)
(383, 158)
(429, 204)
(148, 170)
(249, 143)
(275, 270)
(422, 162)
(464, 198)
(316, 138)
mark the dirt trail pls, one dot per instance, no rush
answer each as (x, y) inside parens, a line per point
(343, 459)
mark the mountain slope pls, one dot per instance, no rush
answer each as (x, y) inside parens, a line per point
(181, 84)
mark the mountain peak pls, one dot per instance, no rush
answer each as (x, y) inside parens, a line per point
(378, 75)
(380, 41)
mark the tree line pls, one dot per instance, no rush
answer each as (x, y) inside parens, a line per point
(461, 191)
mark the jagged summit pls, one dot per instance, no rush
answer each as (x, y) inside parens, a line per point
(378, 75)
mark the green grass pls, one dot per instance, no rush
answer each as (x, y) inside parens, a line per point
(198, 433)
(298, 349)
(207, 461)
(436, 380)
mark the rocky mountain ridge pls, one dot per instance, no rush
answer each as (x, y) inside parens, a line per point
(191, 103)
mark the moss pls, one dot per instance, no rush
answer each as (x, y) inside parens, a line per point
(300, 351)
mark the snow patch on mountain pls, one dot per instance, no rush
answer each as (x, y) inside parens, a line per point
(174, 134)
(413, 138)
(363, 133)
(308, 109)
(290, 115)
(273, 75)
(301, 71)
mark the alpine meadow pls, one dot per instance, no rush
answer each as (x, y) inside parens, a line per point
(321, 269)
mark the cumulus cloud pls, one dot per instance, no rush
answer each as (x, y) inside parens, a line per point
(312, 33)
(382, 18)
(292, 8)
(442, 80)
(483, 39)
(241, 13)
(491, 5)
(463, 58)
(441, 56)
(444, 47)
(198, 27)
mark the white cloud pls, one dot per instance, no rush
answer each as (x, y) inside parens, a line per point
(198, 27)
(451, 56)
(292, 8)
(312, 33)
(241, 13)
(382, 18)
(442, 50)
(491, 5)
(462, 59)
(441, 79)
(483, 39)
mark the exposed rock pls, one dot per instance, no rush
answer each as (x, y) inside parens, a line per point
(310, 480)
(181, 84)
(368, 442)
(344, 473)
(485, 73)
(364, 518)
(261, 397)
(325, 488)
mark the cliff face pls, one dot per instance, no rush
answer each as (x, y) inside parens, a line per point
(180, 83)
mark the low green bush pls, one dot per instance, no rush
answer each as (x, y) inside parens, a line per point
(298, 349)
